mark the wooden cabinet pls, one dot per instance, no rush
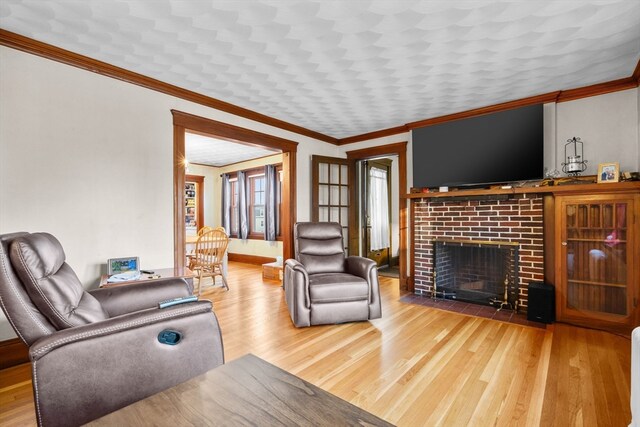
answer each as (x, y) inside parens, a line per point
(272, 271)
(597, 260)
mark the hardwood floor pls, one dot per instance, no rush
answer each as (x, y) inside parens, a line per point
(417, 365)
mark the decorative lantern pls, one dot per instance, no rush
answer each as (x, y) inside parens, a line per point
(574, 155)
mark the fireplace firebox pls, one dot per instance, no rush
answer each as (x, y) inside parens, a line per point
(480, 272)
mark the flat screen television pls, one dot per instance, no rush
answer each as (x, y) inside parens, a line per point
(495, 148)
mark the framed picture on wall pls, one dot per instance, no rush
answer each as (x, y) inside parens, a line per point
(608, 172)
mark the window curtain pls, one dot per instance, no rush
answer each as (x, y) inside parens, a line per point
(243, 206)
(379, 209)
(270, 203)
(226, 203)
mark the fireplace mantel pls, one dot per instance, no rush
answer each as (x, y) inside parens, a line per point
(553, 189)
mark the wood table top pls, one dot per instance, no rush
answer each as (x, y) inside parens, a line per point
(158, 273)
(246, 391)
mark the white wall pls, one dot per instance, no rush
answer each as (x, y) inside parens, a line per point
(608, 127)
(90, 160)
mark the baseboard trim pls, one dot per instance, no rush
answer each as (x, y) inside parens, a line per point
(13, 352)
(250, 259)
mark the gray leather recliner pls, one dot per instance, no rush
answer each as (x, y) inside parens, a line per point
(95, 352)
(322, 286)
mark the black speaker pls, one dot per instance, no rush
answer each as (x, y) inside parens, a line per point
(542, 303)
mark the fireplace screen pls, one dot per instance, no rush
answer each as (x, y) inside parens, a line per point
(478, 272)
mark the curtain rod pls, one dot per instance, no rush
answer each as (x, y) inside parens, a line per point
(244, 170)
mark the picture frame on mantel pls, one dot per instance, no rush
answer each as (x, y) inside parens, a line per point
(608, 172)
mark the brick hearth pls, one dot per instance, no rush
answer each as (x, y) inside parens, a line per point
(517, 219)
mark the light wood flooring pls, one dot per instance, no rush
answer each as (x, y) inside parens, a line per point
(416, 366)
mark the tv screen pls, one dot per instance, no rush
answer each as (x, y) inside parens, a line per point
(495, 148)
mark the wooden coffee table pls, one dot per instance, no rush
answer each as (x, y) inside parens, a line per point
(247, 391)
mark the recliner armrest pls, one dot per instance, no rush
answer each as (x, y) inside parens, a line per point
(118, 300)
(115, 325)
(367, 269)
(296, 266)
(360, 266)
(296, 289)
(85, 372)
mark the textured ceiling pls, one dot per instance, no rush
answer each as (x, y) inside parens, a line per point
(348, 67)
(219, 152)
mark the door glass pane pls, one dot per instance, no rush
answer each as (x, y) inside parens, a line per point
(334, 214)
(344, 172)
(335, 174)
(571, 216)
(323, 214)
(335, 195)
(594, 215)
(607, 215)
(621, 215)
(323, 173)
(344, 216)
(323, 194)
(344, 196)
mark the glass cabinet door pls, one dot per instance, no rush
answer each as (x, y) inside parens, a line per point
(597, 257)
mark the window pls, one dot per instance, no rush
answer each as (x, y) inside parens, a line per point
(256, 207)
(257, 198)
(279, 199)
(234, 206)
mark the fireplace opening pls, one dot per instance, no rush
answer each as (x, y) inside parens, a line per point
(477, 272)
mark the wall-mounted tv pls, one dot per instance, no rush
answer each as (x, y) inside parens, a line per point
(495, 148)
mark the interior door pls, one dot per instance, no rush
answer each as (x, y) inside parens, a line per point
(372, 204)
(332, 194)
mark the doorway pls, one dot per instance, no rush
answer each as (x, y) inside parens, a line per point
(194, 203)
(183, 122)
(400, 150)
(376, 216)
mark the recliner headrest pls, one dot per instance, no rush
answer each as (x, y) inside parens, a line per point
(318, 230)
(39, 262)
(42, 252)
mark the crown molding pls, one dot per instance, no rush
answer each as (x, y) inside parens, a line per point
(29, 45)
(558, 96)
(636, 73)
(373, 135)
(532, 100)
(597, 89)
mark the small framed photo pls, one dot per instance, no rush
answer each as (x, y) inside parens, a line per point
(608, 172)
(122, 265)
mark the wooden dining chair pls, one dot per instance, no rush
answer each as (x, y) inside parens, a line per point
(209, 256)
(191, 257)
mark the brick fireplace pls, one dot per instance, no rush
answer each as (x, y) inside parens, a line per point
(513, 219)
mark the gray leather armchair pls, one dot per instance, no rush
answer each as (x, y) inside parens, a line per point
(95, 352)
(322, 286)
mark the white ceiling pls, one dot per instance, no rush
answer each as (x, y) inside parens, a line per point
(219, 152)
(348, 67)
